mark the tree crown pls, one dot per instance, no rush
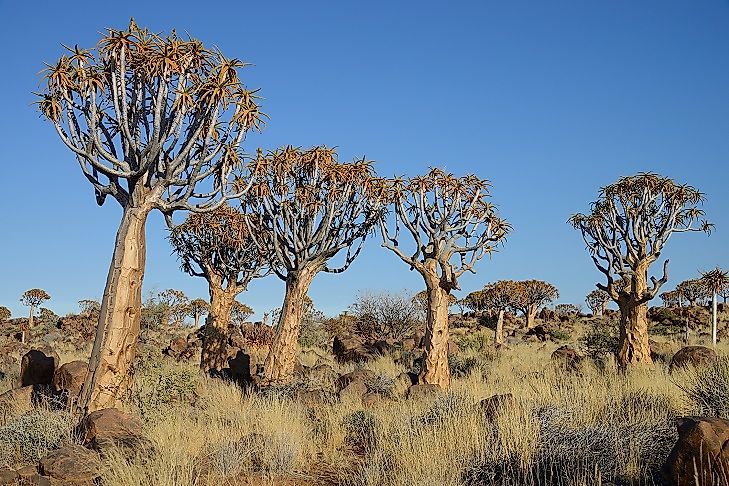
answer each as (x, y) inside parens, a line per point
(34, 297)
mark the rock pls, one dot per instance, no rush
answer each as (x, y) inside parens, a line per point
(703, 447)
(38, 367)
(371, 399)
(26, 473)
(8, 476)
(539, 332)
(72, 463)
(421, 391)
(354, 391)
(322, 373)
(692, 356)
(109, 427)
(351, 349)
(383, 347)
(242, 367)
(309, 358)
(453, 348)
(70, 377)
(492, 405)
(360, 374)
(401, 384)
(18, 399)
(408, 344)
(659, 351)
(316, 397)
(567, 356)
(177, 346)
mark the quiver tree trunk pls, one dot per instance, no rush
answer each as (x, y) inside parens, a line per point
(634, 345)
(214, 354)
(499, 330)
(435, 368)
(281, 360)
(531, 314)
(714, 300)
(115, 344)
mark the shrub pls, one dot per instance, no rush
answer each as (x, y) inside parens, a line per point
(464, 365)
(361, 429)
(479, 342)
(385, 315)
(448, 406)
(601, 340)
(158, 385)
(708, 387)
(560, 335)
(29, 437)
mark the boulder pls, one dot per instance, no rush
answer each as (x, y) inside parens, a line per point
(316, 397)
(73, 464)
(539, 332)
(692, 356)
(352, 349)
(38, 367)
(70, 377)
(322, 373)
(420, 391)
(400, 385)
(371, 399)
(109, 427)
(703, 448)
(354, 391)
(568, 357)
(360, 374)
(8, 476)
(177, 346)
(659, 351)
(242, 367)
(492, 405)
(408, 344)
(18, 399)
(27, 473)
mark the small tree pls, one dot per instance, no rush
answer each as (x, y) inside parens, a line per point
(175, 305)
(597, 301)
(499, 297)
(197, 308)
(219, 247)
(5, 313)
(240, 313)
(670, 298)
(89, 308)
(693, 290)
(313, 207)
(32, 298)
(566, 310)
(625, 233)
(381, 315)
(47, 316)
(154, 122)
(531, 295)
(453, 225)
(714, 281)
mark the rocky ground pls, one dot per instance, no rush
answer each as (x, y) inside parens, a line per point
(549, 407)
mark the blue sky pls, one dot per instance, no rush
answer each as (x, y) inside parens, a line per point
(547, 100)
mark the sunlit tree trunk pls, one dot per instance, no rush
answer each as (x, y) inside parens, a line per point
(214, 354)
(634, 346)
(531, 314)
(714, 300)
(281, 359)
(435, 368)
(117, 333)
(499, 331)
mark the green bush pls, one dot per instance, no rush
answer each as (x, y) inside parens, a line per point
(601, 340)
(158, 385)
(361, 429)
(560, 335)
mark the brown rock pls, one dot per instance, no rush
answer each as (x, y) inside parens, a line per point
(26, 473)
(38, 367)
(322, 373)
(8, 476)
(567, 356)
(371, 399)
(659, 351)
(313, 398)
(420, 391)
(492, 405)
(72, 463)
(703, 448)
(408, 344)
(109, 427)
(242, 366)
(692, 356)
(352, 349)
(401, 385)
(354, 391)
(18, 399)
(359, 374)
(70, 377)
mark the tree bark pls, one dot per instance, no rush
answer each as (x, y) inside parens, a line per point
(115, 345)
(713, 318)
(281, 359)
(634, 346)
(531, 313)
(499, 331)
(214, 354)
(435, 369)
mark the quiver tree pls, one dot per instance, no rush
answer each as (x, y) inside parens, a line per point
(5, 313)
(89, 307)
(240, 313)
(566, 310)
(499, 297)
(174, 304)
(672, 298)
(625, 232)
(154, 122)
(724, 293)
(453, 225)
(313, 207)
(531, 295)
(597, 301)
(714, 281)
(218, 246)
(197, 308)
(693, 290)
(32, 298)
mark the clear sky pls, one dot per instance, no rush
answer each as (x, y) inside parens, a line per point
(547, 100)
